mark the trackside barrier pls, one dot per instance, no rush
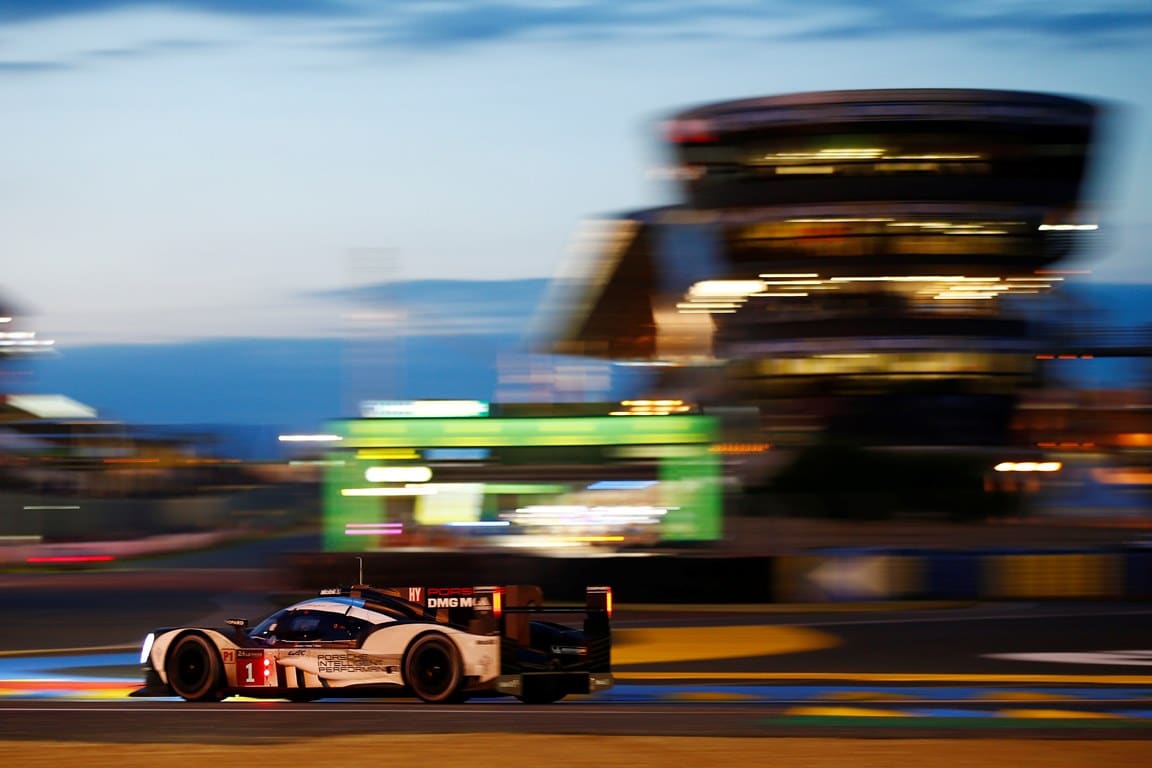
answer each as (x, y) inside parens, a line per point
(1069, 575)
(634, 579)
(854, 575)
(986, 574)
(816, 577)
(1138, 574)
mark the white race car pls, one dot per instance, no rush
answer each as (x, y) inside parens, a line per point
(442, 644)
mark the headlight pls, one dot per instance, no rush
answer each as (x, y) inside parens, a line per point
(146, 649)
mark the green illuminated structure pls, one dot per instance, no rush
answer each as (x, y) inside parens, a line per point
(526, 462)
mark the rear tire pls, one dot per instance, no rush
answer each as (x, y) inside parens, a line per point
(194, 669)
(433, 670)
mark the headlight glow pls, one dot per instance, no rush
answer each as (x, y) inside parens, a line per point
(146, 649)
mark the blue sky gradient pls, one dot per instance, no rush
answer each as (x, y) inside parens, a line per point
(220, 169)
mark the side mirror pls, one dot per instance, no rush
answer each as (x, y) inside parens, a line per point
(239, 625)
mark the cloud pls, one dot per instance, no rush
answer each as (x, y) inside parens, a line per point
(485, 22)
(455, 24)
(37, 10)
(154, 48)
(70, 63)
(414, 24)
(31, 67)
(1112, 22)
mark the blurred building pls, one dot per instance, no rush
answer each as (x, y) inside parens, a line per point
(16, 341)
(456, 472)
(66, 473)
(857, 264)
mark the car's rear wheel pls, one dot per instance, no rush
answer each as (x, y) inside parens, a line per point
(433, 670)
(194, 669)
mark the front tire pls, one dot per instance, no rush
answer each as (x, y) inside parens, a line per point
(194, 669)
(433, 670)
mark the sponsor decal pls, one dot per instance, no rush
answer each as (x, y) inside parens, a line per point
(297, 653)
(253, 668)
(449, 597)
(482, 604)
(329, 664)
(415, 594)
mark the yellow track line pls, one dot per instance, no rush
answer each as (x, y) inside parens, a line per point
(673, 644)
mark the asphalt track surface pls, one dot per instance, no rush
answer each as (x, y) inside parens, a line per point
(908, 671)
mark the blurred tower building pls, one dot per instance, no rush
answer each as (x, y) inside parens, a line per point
(857, 264)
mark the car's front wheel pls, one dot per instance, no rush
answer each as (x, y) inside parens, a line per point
(194, 669)
(433, 670)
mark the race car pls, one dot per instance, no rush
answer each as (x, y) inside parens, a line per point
(441, 644)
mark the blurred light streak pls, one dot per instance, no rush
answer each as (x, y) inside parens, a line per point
(583, 516)
(417, 490)
(423, 409)
(373, 529)
(479, 524)
(621, 485)
(398, 474)
(716, 289)
(1029, 466)
(794, 276)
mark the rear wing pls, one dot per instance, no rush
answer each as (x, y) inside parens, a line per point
(507, 612)
(499, 610)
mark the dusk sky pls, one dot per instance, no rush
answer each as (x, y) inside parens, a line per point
(202, 168)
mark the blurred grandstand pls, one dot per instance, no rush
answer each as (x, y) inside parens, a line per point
(881, 275)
